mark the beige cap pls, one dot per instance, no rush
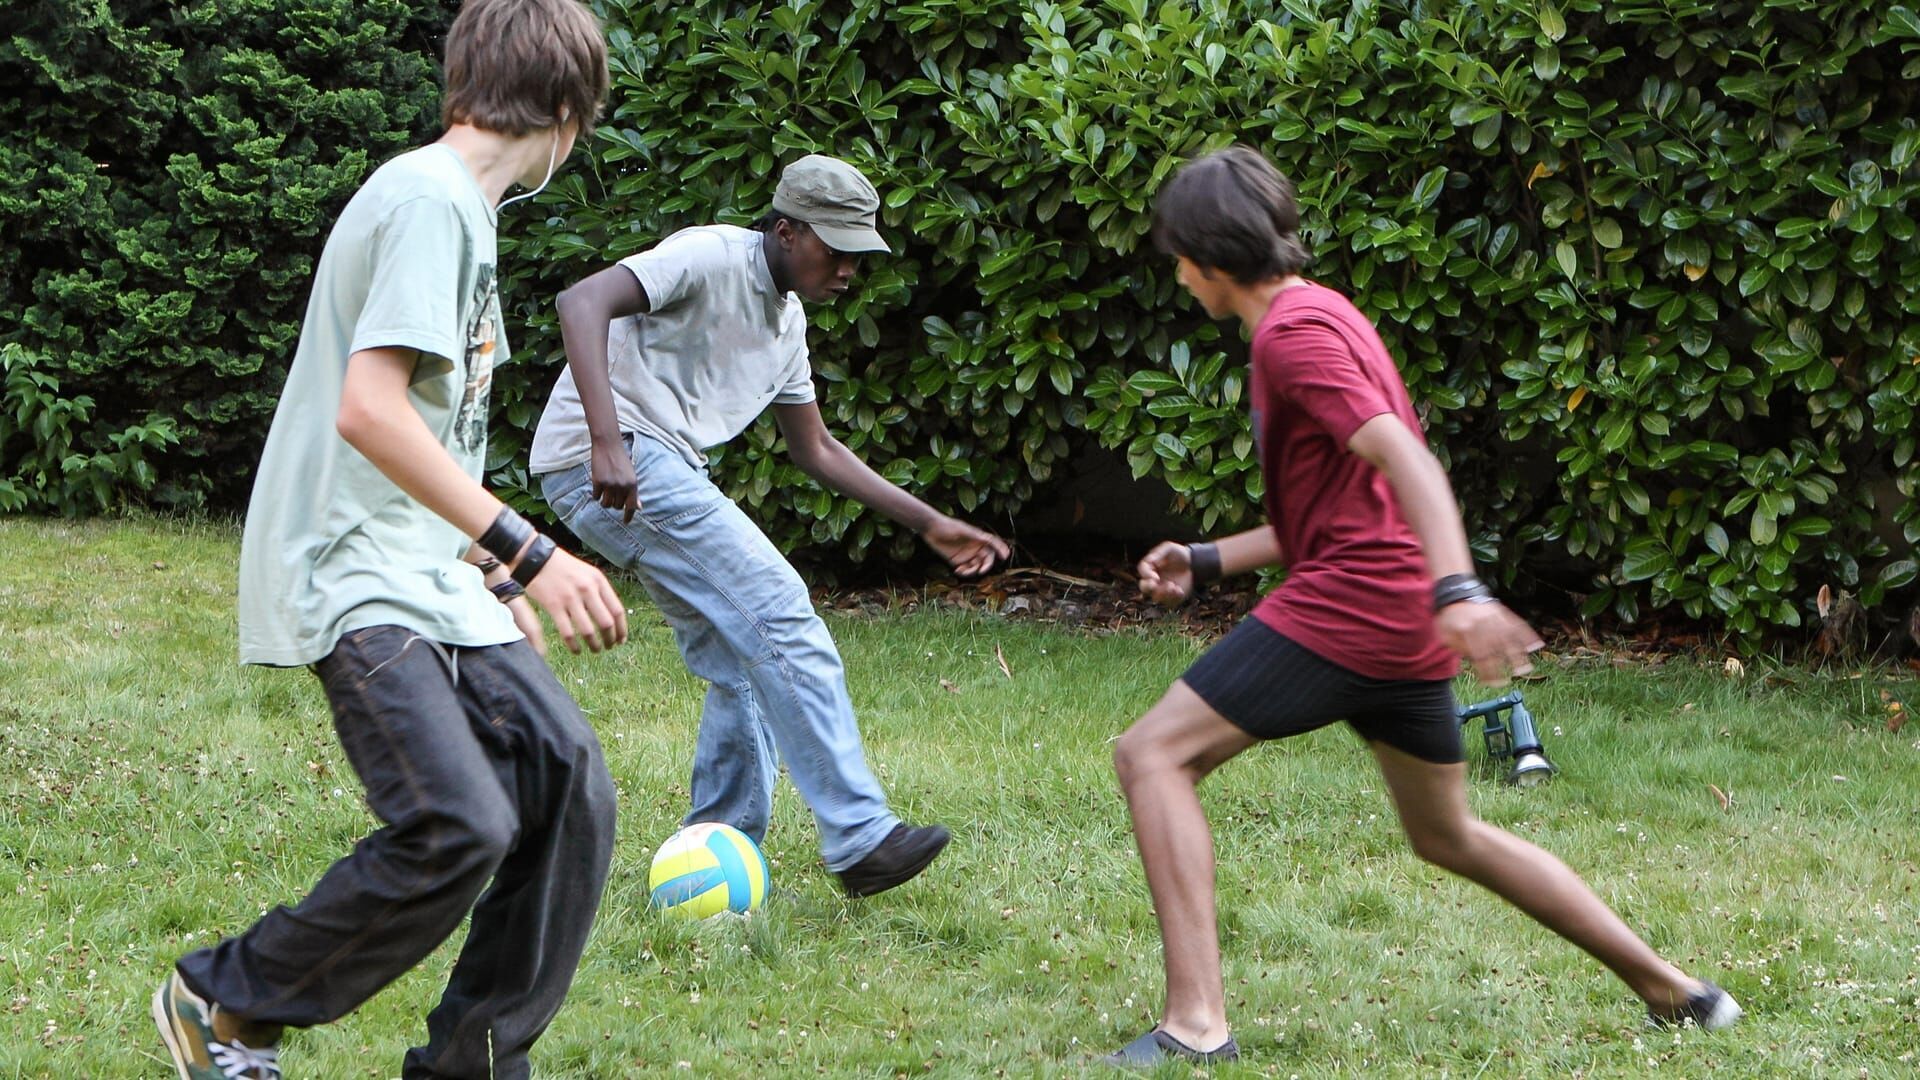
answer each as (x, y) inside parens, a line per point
(832, 197)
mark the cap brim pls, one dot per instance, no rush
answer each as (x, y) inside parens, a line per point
(849, 239)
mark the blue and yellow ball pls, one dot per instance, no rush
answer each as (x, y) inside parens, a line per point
(706, 869)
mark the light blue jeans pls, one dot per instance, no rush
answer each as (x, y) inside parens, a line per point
(744, 623)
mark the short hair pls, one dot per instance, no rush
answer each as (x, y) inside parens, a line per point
(513, 66)
(1233, 211)
(765, 222)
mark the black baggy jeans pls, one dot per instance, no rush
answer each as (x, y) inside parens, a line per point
(495, 799)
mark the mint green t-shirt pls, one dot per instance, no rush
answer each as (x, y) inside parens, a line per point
(331, 545)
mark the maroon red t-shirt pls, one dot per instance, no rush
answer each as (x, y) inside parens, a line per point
(1357, 590)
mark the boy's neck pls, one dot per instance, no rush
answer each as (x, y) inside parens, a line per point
(499, 161)
(1252, 302)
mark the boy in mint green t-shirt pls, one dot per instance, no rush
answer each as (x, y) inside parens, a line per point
(360, 561)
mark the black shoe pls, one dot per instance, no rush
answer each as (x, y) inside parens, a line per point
(1709, 1010)
(1157, 1047)
(900, 857)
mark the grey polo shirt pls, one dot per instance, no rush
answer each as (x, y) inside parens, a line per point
(717, 346)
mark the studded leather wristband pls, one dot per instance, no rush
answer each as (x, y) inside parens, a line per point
(1460, 588)
(507, 535)
(534, 560)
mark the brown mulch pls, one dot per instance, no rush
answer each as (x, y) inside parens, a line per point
(1100, 598)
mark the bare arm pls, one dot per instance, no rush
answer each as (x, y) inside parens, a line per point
(1421, 488)
(376, 419)
(1255, 549)
(1166, 574)
(967, 549)
(1492, 638)
(586, 308)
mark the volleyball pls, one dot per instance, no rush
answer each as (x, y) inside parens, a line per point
(706, 869)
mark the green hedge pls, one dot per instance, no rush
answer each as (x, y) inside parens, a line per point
(1649, 266)
(171, 171)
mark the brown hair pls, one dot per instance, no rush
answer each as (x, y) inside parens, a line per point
(1232, 211)
(513, 66)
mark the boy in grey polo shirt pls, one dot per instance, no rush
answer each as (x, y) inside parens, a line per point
(676, 350)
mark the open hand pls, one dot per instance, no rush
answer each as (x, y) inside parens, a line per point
(1166, 574)
(583, 607)
(969, 550)
(1494, 640)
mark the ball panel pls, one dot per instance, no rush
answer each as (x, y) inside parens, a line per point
(705, 869)
(733, 867)
(678, 890)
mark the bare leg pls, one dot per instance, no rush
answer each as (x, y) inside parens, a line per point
(1161, 760)
(1432, 802)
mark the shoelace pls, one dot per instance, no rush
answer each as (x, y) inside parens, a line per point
(238, 1061)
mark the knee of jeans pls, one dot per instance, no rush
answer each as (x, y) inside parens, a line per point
(576, 750)
(802, 639)
(596, 785)
(458, 844)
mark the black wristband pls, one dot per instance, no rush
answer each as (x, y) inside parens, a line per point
(507, 535)
(535, 559)
(488, 565)
(507, 590)
(1205, 561)
(1456, 588)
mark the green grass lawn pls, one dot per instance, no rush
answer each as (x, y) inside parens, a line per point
(156, 796)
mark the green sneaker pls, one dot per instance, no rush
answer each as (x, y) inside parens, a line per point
(207, 1044)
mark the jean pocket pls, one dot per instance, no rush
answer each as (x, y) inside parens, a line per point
(567, 490)
(362, 654)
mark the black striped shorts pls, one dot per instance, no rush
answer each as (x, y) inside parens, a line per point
(1271, 687)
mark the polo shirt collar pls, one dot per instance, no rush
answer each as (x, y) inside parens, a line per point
(776, 301)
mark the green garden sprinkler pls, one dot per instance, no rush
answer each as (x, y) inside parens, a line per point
(1509, 734)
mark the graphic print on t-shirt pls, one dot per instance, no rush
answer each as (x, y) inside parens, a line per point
(483, 330)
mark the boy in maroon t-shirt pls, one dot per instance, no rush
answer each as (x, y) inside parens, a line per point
(1379, 604)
